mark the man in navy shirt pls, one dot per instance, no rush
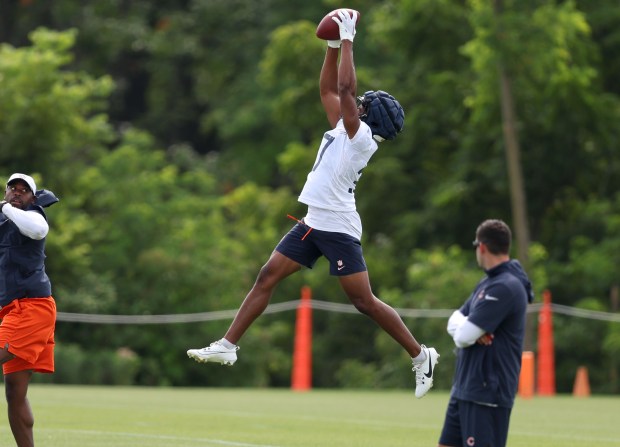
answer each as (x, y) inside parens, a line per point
(488, 331)
(27, 308)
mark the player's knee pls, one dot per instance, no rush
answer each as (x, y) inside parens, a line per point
(13, 393)
(16, 386)
(363, 304)
(267, 278)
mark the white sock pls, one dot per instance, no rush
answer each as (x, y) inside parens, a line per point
(227, 344)
(420, 358)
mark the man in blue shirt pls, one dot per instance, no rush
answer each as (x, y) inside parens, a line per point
(488, 331)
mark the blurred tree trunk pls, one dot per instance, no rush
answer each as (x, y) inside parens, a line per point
(518, 200)
(515, 176)
(513, 159)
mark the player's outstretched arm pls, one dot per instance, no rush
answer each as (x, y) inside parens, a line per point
(328, 86)
(347, 80)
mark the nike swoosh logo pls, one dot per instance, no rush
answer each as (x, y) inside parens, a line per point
(429, 374)
(340, 268)
(490, 298)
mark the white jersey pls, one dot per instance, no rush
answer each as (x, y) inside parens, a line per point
(329, 191)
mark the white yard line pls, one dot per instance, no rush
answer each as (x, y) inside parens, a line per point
(202, 441)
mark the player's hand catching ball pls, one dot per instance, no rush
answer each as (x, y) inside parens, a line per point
(346, 25)
(334, 43)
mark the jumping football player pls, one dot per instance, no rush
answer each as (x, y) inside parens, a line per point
(332, 227)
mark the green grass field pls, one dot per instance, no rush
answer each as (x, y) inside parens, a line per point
(76, 416)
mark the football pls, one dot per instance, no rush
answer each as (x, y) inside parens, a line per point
(328, 29)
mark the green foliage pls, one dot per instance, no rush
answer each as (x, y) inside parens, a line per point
(75, 365)
(353, 374)
(177, 136)
(569, 333)
(564, 115)
(49, 116)
(588, 233)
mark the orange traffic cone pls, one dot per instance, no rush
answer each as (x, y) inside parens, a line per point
(301, 379)
(526, 377)
(582, 383)
(546, 358)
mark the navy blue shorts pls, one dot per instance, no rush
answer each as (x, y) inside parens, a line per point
(343, 251)
(468, 424)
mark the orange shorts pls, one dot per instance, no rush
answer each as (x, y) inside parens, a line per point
(28, 328)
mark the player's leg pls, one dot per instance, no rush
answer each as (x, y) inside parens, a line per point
(293, 251)
(275, 270)
(290, 254)
(357, 287)
(21, 418)
(451, 435)
(346, 259)
(344, 253)
(358, 290)
(27, 330)
(224, 351)
(481, 425)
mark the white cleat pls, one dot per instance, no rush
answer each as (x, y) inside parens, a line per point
(424, 372)
(216, 353)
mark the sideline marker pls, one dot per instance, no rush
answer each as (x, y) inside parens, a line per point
(582, 383)
(301, 379)
(526, 377)
(546, 357)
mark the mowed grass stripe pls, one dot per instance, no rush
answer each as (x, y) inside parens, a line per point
(113, 438)
(81, 416)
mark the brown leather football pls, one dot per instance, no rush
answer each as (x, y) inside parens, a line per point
(328, 28)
